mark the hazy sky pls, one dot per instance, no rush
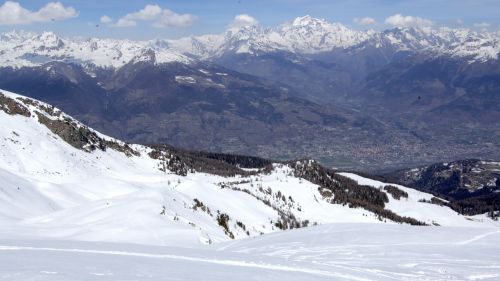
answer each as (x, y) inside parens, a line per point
(143, 19)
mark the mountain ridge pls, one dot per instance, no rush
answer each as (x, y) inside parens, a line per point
(304, 35)
(85, 186)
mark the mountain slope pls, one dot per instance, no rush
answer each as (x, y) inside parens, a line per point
(473, 185)
(226, 111)
(64, 180)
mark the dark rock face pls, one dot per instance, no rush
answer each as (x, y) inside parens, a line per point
(78, 137)
(12, 107)
(69, 130)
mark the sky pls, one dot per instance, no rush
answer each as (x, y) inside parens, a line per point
(146, 19)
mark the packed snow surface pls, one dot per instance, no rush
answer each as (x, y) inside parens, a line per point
(328, 252)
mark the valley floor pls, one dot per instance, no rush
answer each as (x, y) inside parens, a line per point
(329, 252)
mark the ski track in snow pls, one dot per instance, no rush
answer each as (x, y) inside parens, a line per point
(478, 237)
(328, 252)
(189, 259)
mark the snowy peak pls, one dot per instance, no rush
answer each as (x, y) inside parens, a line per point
(304, 35)
(49, 38)
(308, 35)
(311, 35)
(308, 21)
(18, 49)
(15, 35)
(147, 55)
(444, 41)
(315, 24)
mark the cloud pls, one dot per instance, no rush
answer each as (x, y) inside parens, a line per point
(106, 19)
(243, 20)
(364, 21)
(149, 12)
(169, 18)
(159, 17)
(12, 13)
(482, 25)
(123, 22)
(399, 20)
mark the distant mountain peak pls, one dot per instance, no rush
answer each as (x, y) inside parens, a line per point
(147, 55)
(304, 35)
(307, 20)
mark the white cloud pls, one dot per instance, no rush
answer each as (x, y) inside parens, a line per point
(399, 20)
(482, 25)
(106, 19)
(243, 20)
(149, 12)
(158, 16)
(364, 21)
(12, 13)
(169, 18)
(123, 22)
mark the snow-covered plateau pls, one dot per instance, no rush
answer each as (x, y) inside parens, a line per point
(78, 205)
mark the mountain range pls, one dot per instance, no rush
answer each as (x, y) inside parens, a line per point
(304, 35)
(364, 100)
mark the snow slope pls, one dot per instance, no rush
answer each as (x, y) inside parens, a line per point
(413, 208)
(328, 252)
(50, 189)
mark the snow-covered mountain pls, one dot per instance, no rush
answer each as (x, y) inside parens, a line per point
(308, 35)
(304, 35)
(29, 49)
(60, 179)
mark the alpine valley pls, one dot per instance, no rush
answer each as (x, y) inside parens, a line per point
(357, 100)
(78, 205)
(302, 151)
